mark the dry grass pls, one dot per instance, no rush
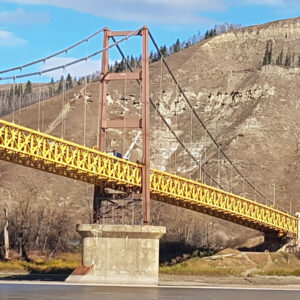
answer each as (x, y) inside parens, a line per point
(194, 267)
(180, 270)
(53, 266)
(238, 264)
(279, 271)
(12, 266)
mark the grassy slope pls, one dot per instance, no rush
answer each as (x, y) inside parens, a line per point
(238, 264)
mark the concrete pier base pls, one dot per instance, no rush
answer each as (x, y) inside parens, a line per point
(119, 254)
(298, 235)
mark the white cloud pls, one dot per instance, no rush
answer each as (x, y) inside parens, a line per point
(275, 3)
(77, 70)
(156, 11)
(21, 16)
(10, 39)
(267, 2)
(145, 11)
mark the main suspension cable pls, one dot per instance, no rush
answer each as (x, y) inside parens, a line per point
(165, 121)
(43, 109)
(85, 96)
(39, 103)
(201, 122)
(20, 92)
(13, 99)
(74, 61)
(44, 59)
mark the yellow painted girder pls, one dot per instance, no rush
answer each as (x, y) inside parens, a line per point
(34, 149)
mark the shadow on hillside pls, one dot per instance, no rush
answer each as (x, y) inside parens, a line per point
(259, 248)
(269, 245)
(175, 252)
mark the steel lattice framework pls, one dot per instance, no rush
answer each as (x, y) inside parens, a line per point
(40, 151)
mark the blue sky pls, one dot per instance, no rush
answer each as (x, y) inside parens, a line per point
(30, 29)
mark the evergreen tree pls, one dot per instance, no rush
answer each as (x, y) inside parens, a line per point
(186, 45)
(132, 62)
(69, 82)
(206, 35)
(28, 88)
(51, 87)
(164, 50)
(210, 33)
(177, 46)
(60, 84)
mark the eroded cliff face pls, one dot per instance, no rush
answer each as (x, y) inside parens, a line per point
(244, 85)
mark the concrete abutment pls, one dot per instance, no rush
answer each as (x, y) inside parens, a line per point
(119, 254)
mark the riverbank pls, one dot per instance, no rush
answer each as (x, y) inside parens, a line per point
(228, 265)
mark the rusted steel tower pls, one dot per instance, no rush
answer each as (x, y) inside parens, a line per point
(143, 123)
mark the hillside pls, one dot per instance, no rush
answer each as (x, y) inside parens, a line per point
(244, 85)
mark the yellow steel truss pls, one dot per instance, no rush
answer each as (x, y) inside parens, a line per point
(34, 149)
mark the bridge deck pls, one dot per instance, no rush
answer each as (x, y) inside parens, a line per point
(40, 151)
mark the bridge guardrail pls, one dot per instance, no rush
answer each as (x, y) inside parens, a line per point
(41, 151)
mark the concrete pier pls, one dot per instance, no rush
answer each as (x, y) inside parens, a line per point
(119, 254)
(298, 236)
(293, 246)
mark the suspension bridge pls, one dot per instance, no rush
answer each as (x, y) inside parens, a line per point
(56, 155)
